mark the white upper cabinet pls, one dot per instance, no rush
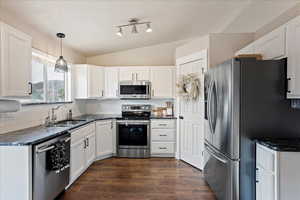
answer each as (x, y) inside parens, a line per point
(272, 45)
(89, 81)
(96, 81)
(111, 82)
(163, 81)
(134, 73)
(293, 54)
(15, 62)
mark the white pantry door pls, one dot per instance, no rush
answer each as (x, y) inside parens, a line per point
(191, 113)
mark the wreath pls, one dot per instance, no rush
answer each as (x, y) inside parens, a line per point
(189, 86)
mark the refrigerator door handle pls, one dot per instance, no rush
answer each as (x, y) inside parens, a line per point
(209, 107)
(213, 154)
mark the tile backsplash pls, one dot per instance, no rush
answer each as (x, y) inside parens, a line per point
(114, 106)
(30, 116)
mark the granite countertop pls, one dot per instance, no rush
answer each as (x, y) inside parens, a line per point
(35, 135)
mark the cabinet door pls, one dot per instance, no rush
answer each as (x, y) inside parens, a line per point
(104, 138)
(80, 82)
(272, 45)
(293, 52)
(95, 81)
(265, 184)
(15, 62)
(127, 73)
(78, 162)
(162, 79)
(142, 73)
(111, 82)
(134, 73)
(90, 151)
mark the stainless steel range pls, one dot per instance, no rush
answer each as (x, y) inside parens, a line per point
(133, 131)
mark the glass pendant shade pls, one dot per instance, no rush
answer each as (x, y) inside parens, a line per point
(61, 65)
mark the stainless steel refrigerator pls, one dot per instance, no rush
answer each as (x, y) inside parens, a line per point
(245, 100)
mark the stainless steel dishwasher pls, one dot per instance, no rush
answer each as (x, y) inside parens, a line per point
(51, 167)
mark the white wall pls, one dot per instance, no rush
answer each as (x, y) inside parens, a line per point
(221, 46)
(31, 116)
(277, 22)
(156, 55)
(41, 41)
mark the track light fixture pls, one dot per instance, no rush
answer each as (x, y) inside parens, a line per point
(134, 22)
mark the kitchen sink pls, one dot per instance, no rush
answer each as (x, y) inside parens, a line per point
(67, 123)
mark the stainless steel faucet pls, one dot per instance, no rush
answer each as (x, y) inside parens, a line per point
(53, 114)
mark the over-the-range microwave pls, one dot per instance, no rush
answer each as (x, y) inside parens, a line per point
(135, 89)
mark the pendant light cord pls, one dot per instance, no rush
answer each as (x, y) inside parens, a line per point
(61, 47)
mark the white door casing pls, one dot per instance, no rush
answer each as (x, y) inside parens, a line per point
(191, 127)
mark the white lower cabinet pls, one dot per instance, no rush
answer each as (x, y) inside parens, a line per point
(277, 174)
(82, 150)
(163, 137)
(105, 138)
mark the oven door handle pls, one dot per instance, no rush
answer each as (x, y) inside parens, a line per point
(133, 122)
(41, 150)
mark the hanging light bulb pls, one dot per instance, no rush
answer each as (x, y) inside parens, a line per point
(149, 29)
(61, 64)
(134, 29)
(120, 32)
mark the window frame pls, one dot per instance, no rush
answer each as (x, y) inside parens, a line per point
(67, 79)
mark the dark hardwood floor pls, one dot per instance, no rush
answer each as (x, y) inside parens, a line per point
(139, 179)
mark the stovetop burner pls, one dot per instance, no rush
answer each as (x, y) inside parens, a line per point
(136, 112)
(281, 144)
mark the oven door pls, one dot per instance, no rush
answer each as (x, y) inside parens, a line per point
(132, 91)
(133, 134)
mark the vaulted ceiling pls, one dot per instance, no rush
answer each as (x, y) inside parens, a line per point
(89, 24)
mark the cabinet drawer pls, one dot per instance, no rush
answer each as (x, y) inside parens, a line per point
(82, 132)
(163, 134)
(265, 158)
(162, 147)
(163, 124)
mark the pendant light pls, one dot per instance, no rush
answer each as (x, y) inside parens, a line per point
(61, 64)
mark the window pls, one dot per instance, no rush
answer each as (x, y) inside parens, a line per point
(48, 85)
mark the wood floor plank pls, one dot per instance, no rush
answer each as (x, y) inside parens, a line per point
(140, 179)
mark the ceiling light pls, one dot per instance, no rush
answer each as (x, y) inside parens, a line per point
(133, 23)
(149, 29)
(134, 29)
(61, 64)
(120, 32)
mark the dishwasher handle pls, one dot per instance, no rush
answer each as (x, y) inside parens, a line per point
(41, 150)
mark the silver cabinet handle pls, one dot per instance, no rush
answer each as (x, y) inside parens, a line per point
(45, 149)
(88, 142)
(162, 147)
(136, 76)
(102, 93)
(153, 92)
(30, 88)
(85, 145)
(162, 124)
(163, 135)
